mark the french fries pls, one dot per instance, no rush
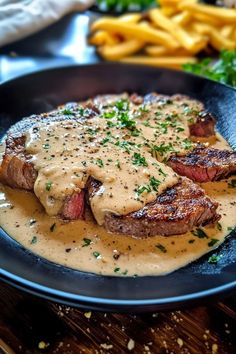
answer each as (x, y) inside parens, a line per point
(167, 62)
(184, 39)
(143, 33)
(103, 37)
(131, 18)
(121, 50)
(223, 14)
(169, 36)
(215, 37)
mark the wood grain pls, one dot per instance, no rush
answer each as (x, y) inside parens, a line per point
(27, 323)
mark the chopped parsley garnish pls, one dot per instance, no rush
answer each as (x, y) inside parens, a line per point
(146, 123)
(199, 233)
(126, 145)
(92, 131)
(219, 226)
(109, 115)
(52, 227)
(122, 105)
(139, 160)
(99, 162)
(162, 148)
(212, 242)
(48, 185)
(81, 110)
(179, 129)
(67, 112)
(87, 242)
(125, 121)
(111, 124)
(153, 186)
(96, 254)
(191, 120)
(161, 248)
(187, 144)
(214, 259)
(34, 240)
(105, 140)
(141, 189)
(46, 146)
(135, 132)
(163, 127)
(230, 228)
(116, 270)
(232, 183)
(122, 116)
(154, 183)
(161, 172)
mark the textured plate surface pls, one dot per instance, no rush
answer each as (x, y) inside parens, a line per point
(42, 91)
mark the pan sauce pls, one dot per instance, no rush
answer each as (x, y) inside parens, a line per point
(88, 247)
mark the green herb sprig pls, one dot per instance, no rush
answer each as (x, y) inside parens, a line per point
(223, 70)
(124, 5)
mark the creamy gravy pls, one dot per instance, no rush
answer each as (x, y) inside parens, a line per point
(88, 247)
(123, 148)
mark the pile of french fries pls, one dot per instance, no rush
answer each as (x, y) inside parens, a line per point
(168, 36)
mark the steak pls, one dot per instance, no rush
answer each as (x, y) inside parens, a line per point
(204, 164)
(201, 122)
(176, 211)
(204, 125)
(74, 206)
(17, 171)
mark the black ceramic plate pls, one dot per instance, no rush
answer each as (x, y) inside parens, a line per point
(45, 90)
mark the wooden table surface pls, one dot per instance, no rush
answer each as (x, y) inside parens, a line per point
(31, 325)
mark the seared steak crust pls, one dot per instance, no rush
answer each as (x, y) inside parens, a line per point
(205, 164)
(16, 170)
(174, 212)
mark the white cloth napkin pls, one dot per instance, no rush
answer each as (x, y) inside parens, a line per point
(20, 18)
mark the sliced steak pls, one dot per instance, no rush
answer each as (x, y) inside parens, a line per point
(204, 164)
(201, 122)
(17, 171)
(176, 211)
(74, 206)
(204, 125)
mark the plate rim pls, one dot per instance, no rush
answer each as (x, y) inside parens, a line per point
(104, 64)
(27, 285)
